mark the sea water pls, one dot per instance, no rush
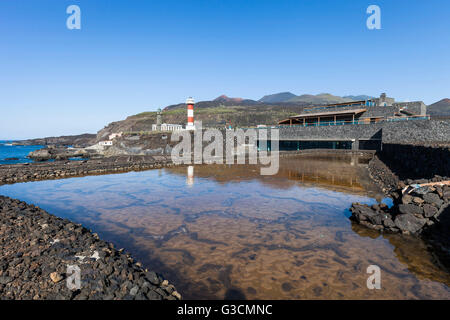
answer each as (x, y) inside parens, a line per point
(18, 153)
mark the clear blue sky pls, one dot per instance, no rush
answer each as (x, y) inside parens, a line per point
(135, 56)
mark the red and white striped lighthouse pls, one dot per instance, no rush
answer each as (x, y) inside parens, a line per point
(190, 114)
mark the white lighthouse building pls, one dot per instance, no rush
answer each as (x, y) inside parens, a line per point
(190, 114)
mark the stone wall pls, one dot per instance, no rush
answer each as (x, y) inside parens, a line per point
(411, 131)
(409, 161)
(380, 111)
(415, 107)
(341, 132)
(417, 131)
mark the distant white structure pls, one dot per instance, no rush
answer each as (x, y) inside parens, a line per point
(105, 143)
(112, 136)
(158, 126)
(167, 127)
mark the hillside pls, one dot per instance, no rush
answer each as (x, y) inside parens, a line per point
(224, 111)
(213, 116)
(214, 104)
(440, 108)
(81, 140)
(323, 98)
(224, 98)
(284, 98)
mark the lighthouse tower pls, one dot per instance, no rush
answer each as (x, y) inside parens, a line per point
(190, 114)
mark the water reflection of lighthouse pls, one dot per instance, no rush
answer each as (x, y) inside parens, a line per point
(190, 176)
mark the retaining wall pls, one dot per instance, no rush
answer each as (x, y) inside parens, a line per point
(410, 161)
(411, 131)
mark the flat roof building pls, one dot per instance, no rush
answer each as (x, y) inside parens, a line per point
(355, 112)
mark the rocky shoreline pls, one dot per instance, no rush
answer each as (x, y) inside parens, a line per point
(382, 175)
(413, 212)
(415, 208)
(37, 249)
(421, 207)
(65, 169)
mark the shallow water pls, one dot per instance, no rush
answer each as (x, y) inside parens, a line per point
(225, 231)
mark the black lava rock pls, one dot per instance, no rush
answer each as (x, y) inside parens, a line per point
(37, 249)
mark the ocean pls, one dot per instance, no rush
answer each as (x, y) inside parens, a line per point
(18, 153)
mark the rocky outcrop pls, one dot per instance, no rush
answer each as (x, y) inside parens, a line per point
(143, 144)
(66, 169)
(54, 153)
(37, 248)
(382, 175)
(412, 213)
(81, 141)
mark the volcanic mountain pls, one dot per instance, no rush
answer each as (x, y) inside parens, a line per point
(322, 98)
(224, 98)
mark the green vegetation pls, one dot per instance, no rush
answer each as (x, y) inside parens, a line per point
(174, 112)
(145, 114)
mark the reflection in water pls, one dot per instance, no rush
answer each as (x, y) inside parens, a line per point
(236, 234)
(412, 252)
(190, 176)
